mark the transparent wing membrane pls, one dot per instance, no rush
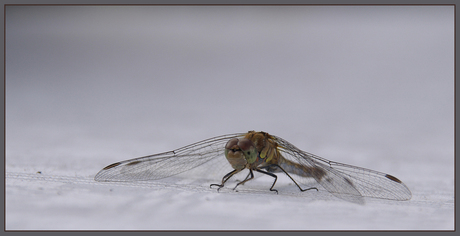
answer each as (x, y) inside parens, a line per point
(166, 164)
(342, 180)
(347, 182)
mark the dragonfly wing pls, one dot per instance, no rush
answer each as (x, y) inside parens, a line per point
(333, 181)
(339, 185)
(372, 183)
(166, 164)
(344, 181)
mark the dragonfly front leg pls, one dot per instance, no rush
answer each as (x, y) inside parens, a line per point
(246, 179)
(251, 174)
(224, 179)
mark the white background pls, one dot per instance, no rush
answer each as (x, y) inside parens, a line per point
(87, 86)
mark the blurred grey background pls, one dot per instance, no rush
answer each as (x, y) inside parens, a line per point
(366, 85)
(87, 86)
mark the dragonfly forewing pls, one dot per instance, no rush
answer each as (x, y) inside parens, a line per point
(167, 164)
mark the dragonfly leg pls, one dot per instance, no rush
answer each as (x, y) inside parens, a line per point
(246, 179)
(224, 179)
(303, 190)
(272, 175)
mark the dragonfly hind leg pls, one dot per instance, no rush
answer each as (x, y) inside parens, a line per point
(277, 166)
(272, 175)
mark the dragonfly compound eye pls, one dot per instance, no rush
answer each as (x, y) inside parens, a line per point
(249, 150)
(231, 143)
(235, 155)
(246, 145)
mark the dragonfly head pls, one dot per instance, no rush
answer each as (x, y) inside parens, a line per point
(240, 152)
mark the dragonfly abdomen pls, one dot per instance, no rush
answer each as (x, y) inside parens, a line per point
(301, 170)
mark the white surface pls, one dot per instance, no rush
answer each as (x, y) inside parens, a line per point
(89, 86)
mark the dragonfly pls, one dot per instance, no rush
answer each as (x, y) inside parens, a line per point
(266, 154)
